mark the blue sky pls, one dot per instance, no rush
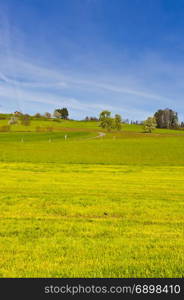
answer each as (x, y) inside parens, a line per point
(89, 55)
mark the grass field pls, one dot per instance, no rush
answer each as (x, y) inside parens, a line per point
(91, 207)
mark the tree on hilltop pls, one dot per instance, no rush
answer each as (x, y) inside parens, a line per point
(57, 114)
(107, 122)
(117, 122)
(166, 118)
(47, 115)
(63, 113)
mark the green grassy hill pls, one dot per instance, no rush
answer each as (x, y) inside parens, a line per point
(59, 125)
(110, 206)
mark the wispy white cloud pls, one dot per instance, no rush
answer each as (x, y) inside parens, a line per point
(140, 87)
(27, 74)
(38, 84)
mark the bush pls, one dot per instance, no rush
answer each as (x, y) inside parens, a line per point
(149, 125)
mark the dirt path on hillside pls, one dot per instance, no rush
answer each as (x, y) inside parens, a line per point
(100, 134)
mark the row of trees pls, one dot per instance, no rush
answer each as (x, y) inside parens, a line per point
(108, 123)
(163, 118)
(25, 119)
(59, 113)
(166, 118)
